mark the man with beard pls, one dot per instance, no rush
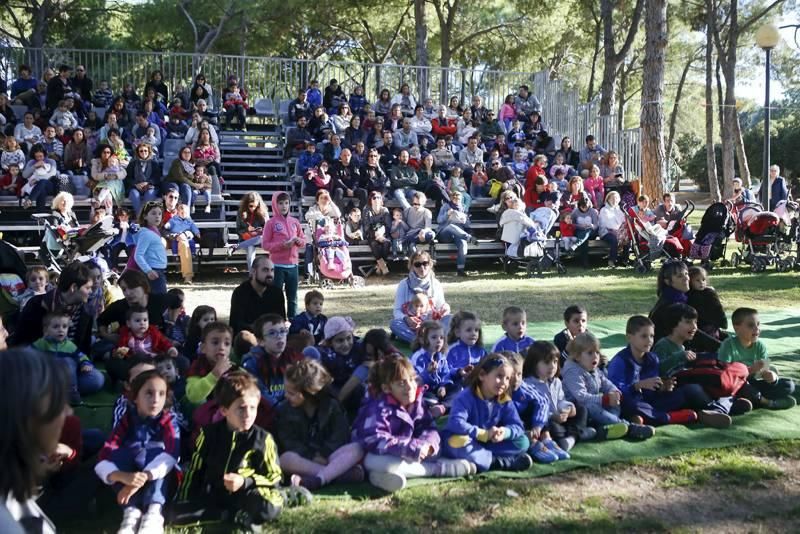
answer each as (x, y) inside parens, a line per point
(256, 296)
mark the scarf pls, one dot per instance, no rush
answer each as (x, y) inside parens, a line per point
(419, 285)
(674, 296)
(188, 166)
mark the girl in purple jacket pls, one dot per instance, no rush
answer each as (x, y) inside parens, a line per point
(397, 432)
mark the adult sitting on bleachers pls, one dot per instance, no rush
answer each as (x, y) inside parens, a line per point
(454, 226)
(112, 123)
(156, 83)
(575, 193)
(141, 126)
(8, 119)
(534, 124)
(108, 173)
(430, 180)
(198, 124)
(27, 133)
(545, 145)
(83, 85)
(206, 151)
(42, 175)
(421, 279)
(470, 154)
(384, 103)
(592, 153)
(353, 134)
(490, 129)
(394, 120)
(347, 184)
(58, 88)
(234, 100)
(403, 179)
(341, 119)
(571, 156)
(53, 147)
(299, 107)
(454, 109)
(181, 173)
(477, 109)
(373, 176)
(176, 128)
(334, 96)
(297, 137)
(128, 96)
(23, 90)
(497, 173)
(375, 223)
(201, 91)
(466, 127)
(525, 103)
(124, 111)
(404, 138)
(77, 159)
(442, 156)
(204, 108)
(419, 220)
(250, 219)
(316, 179)
(144, 178)
(332, 150)
(385, 148)
(405, 100)
(420, 124)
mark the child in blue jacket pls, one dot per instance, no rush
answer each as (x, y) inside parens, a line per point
(314, 95)
(484, 426)
(466, 344)
(515, 324)
(430, 362)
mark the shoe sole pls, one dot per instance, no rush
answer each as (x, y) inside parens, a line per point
(390, 482)
(615, 431)
(641, 433)
(714, 419)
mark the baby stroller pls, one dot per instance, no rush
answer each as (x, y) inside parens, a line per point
(536, 250)
(765, 236)
(651, 242)
(61, 246)
(332, 265)
(712, 238)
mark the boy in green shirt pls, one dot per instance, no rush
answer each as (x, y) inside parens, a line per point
(764, 388)
(682, 326)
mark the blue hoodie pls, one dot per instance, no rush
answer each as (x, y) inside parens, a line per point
(314, 97)
(441, 376)
(472, 416)
(531, 405)
(624, 371)
(506, 343)
(460, 355)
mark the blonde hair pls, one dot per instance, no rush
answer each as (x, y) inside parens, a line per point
(582, 343)
(309, 376)
(66, 198)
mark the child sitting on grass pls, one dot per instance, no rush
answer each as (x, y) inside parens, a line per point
(587, 386)
(430, 362)
(575, 319)
(396, 431)
(703, 298)
(137, 337)
(648, 397)
(567, 422)
(515, 324)
(484, 427)
(764, 388)
(466, 344)
(313, 431)
(268, 361)
(234, 473)
(212, 362)
(312, 320)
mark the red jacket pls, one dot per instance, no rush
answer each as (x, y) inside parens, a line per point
(531, 196)
(153, 343)
(450, 127)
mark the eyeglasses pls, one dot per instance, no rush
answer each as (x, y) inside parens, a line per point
(496, 164)
(280, 332)
(419, 264)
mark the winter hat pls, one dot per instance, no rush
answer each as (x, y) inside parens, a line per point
(337, 325)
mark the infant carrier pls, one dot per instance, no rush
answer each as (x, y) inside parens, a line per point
(62, 245)
(332, 265)
(712, 238)
(651, 242)
(765, 236)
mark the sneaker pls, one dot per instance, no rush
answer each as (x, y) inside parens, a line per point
(493, 209)
(390, 482)
(567, 443)
(461, 273)
(521, 462)
(352, 475)
(152, 521)
(311, 483)
(612, 431)
(130, 520)
(208, 208)
(611, 264)
(587, 434)
(231, 248)
(741, 406)
(558, 451)
(456, 468)
(782, 404)
(542, 454)
(714, 419)
(296, 496)
(641, 431)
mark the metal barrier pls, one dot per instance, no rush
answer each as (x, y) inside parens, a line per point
(279, 78)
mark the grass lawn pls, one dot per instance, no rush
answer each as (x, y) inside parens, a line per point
(745, 488)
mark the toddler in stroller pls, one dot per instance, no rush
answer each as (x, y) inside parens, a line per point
(712, 237)
(332, 256)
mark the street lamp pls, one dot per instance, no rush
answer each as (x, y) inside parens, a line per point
(767, 38)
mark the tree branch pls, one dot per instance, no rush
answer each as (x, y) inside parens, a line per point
(755, 18)
(637, 17)
(463, 41)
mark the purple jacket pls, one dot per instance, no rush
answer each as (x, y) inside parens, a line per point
(383, 426)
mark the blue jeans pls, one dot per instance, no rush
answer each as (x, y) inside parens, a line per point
(403, 332)
(205, 194)
(613, 244)
(478, 191)
(250, 245)
(138, 198)
(482, 454)
(185, 192)
(402, 194)
(153, 492)
(601, 416)
(455, 234)
(41, 191)
(159, 285)
(286, 279)
(84, 383)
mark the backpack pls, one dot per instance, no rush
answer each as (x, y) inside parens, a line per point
(718, 379)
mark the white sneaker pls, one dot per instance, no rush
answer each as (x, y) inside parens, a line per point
(152, 521)
(130, 520)
(494, 208)
(208, 208)
(456, 468)
(390, 482)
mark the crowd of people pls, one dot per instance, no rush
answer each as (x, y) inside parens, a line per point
(259, 412)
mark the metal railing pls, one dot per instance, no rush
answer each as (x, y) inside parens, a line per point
(279, 78)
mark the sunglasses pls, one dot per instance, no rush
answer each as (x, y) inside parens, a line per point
(419, 264)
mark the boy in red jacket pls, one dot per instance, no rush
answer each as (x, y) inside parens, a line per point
(283, 238)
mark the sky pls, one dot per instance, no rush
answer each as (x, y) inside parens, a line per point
(754, 88)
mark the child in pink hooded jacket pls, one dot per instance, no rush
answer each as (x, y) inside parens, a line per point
(283, 238)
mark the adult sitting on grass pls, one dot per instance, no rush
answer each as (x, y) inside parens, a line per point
(673, 286)
(420, 279)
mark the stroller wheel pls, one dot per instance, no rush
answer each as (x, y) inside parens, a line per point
(736, 260)
(357, 281)
(534, 268)
(326, 283)
(509, 266)
(724, 263)
(560, 268)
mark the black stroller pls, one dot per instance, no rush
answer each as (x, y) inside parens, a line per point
(60, 248)
(711, 239)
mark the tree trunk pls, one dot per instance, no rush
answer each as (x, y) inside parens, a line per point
(711, 159)
(595, 55)
(623, 87)
(613, 58)
(741, 155)
(421, 34)
(673, 118)
(728, 141)
(653, 157)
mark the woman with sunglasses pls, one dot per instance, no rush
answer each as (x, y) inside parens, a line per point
(375, 224)
(201, 90)
(144, 177)
(181, 173)
(420, 279)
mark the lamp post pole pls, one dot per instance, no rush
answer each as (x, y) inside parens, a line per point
(766, 187)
